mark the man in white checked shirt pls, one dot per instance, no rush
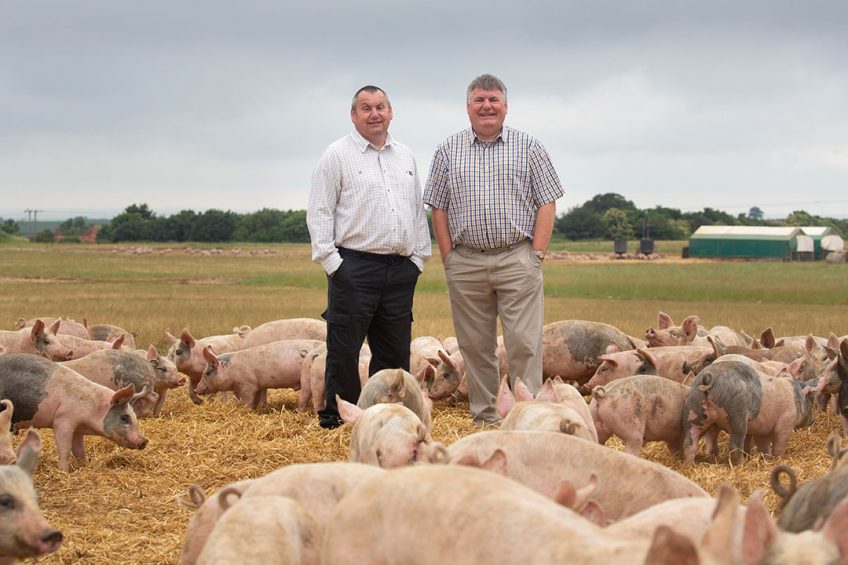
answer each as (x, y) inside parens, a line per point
(493, 191)
(369, 232)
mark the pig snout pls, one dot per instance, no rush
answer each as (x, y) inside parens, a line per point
(650, 333)
(69, 355)
(49, 541)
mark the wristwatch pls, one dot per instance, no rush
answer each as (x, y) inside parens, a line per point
(540, 254)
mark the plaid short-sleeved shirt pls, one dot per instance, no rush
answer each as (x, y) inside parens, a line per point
(491, 190)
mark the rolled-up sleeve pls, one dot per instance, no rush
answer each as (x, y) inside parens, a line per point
(545, 181)
(436, 192)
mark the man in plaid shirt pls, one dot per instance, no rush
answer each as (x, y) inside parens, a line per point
(493, 192)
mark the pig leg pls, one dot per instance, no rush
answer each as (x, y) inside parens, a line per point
(633, 444)
(303, 397)
(158, 407)
(64, 439)
(675, 446)
(192, 383)
(78, 447)
(262, 399)
(711, 441)
(738, 429)
(764, 445)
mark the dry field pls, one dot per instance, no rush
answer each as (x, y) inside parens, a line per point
(120, 506)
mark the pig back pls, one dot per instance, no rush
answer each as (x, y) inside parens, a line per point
(23, 380)
(542, 460)
(814, 501)
(396, 385)
(570, 348)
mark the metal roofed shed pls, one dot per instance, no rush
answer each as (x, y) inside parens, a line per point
(817, 233)
(744, 242)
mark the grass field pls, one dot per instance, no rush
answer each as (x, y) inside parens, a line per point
(119, 507)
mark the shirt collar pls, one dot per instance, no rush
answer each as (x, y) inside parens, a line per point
(502, 136)
(363, 144)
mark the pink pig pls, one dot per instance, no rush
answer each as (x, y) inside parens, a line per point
(37, 339)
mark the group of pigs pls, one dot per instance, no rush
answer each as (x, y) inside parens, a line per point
(677, 385)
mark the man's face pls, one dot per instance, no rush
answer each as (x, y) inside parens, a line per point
(487, 111)
(371, 116)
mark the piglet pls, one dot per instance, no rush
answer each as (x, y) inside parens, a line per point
(396, 385)
(289, 328)
(49, 395)
(389, 435)
(38, 339)
(638, 409)
(23, 530)
(187, 354)
(108, 332)
(250, 372)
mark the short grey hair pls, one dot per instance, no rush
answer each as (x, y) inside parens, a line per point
(370, 88)
(486, 82)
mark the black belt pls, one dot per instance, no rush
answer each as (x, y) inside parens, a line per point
(383, 258)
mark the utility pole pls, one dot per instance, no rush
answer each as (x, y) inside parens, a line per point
(32, 219)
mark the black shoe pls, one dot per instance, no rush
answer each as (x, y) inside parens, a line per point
(329, 422)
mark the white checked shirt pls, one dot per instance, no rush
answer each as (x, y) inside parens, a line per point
(367, 199)
(491, 190)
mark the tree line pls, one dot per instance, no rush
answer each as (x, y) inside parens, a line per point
(607, 216)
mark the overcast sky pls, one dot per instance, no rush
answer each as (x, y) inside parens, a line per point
(228, 105)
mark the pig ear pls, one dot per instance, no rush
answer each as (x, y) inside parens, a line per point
(594, 512)
(546, 393)
(767, 338)
(123, 395)
(688, 379)
(2, 350)
(716, 345)
(670, 548)
(6, 414)
(557, 380)
(426, 376)
(85, 322)
(843, 348)
(833, 341)
(720, 533)
(443, 355)
(152, 354)
(396, 387)
(55, 327)
(664, 321)
(496, 463)
(505, 400)
(37, 329)
(810, 343)
(606, 358)
(119, 341)
(350, 413)
(21, 324)
(209, 355)
(29, 451)
(171, 337)
(836, 528)
(831, 352)
(522, 393)
(186, 337)
(646, 357)
(690, 327)
(760, 531)
(566, 495)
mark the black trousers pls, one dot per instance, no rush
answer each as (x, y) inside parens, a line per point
(368, 296)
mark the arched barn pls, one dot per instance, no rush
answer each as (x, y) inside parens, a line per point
(744, 241)
(817, 233)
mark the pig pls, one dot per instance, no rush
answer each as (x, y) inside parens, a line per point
(542, 460)
(293, 328)
(49, 395)
(502, 522)
(165, 374)
(423, 351)
(536, 414)
(23, 530)
(689, 333)
(389, 435)
(315, 376)
(449, 378)
(108, 332)
(116, 369)
(250, 372)
(734, 397)
(82, 347)
(67, 326)
(7, 454)
(396, 385)
(782, 354)
(668, 362)
(571, 348)
(269, 529)
(554, 390)
(639, 409)
(38, 339)
(834, 380)
(305, 393)
(803, 508)
(207, 512)
(327, 484)
(187, 354)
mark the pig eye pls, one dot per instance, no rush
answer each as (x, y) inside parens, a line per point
(125, 418)
(7, 502)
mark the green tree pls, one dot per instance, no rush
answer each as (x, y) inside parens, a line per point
(294, 227)
(74, 226)
(800, 218)
(600, 203)
(580, 223)
(44, 236)
(616, 224)
(755, 213)
(10, 226)
(214, 226)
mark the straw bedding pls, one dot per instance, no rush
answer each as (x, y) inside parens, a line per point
(120, 506)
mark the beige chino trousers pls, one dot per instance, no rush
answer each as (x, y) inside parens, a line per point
(483, 286)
